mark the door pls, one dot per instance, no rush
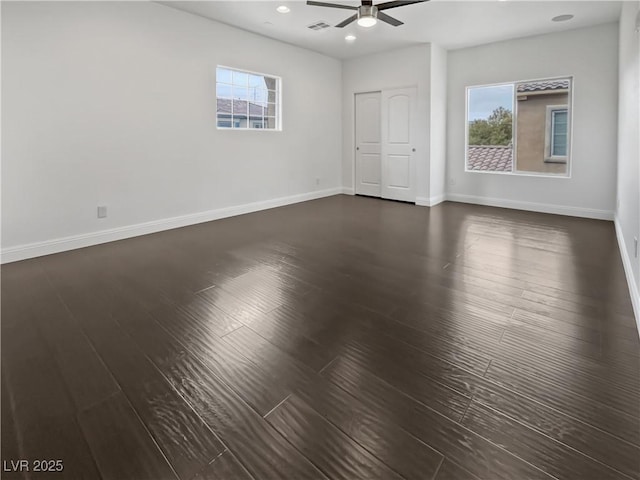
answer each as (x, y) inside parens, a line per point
(398, 136)
(368, 145)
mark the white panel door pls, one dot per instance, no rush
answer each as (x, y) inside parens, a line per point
(398, 136)
(368, 136)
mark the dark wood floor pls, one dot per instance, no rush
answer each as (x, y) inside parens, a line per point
(346, 338)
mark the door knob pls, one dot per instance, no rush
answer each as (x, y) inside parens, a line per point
(413, 149)
(357, 148)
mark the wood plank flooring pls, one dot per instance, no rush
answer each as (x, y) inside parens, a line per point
(346, 338)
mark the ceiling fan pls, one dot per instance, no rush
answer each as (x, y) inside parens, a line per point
(368, 14)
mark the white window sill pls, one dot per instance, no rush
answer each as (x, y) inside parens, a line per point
(522, 174)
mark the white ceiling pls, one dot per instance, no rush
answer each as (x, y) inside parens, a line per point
(450, 23)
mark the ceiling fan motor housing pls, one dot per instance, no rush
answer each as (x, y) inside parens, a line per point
(367, 11)
(368, 14)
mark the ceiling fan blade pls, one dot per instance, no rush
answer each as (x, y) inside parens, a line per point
(332, 5)
(346, 22)
(388, 5)
(388, 19)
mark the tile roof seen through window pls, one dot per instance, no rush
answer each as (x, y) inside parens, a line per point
(240, 108)
(549, 85)
(490, 158)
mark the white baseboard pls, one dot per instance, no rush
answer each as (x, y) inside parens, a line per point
(22, 252)
(628, 271)
(436, 200)
(348, 191)
(429, 201)
(532, 206)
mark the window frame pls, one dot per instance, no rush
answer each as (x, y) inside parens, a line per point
(249, 118)
(515, 172)
(549, 131)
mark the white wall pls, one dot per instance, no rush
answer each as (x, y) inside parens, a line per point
(398, 68)
(113, 103)
(628, 211)
(591, 56)
(438, 122)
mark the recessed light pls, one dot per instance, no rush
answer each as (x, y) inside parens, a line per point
(562, 18)
(283, 9)
(350, 38)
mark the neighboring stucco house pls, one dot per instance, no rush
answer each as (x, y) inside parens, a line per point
(235, 114)
(542, 124)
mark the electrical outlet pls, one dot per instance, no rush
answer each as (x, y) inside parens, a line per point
(452, 181)
(102, 211)
(317, 181)
(635, 247)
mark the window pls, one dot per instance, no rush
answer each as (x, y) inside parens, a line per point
(519, 127)
(247, 100)
(556, 130)
(490, 128)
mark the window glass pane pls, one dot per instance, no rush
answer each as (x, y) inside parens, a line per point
(239, 121)
(269, 122)
(257, 81)
(490, 128)
(240, 107)
(224, 106)
(542, 125)
(559, 140)
(258, 95)
(256, 110)
(560, 119)
(240, 78)
(559, 150)
(224, 91)
(271, 83)
(224, 121)
(223, 75)
(256, 122)
(271, 111)
(240, 93)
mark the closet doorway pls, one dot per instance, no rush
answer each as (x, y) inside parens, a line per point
(384, 135)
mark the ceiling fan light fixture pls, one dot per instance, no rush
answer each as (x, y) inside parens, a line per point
(367, 22)
(367, 16)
